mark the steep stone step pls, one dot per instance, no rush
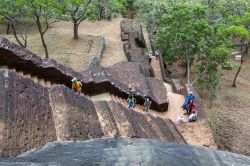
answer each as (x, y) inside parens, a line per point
(48, 84)
(75, 116)
(2, 93)
(26, 117)
(41, 82)
(13, 69)
(107, 121)
(125, 128)
(37, 80)
(3, 67)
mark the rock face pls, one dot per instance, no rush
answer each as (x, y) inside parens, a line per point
(125, 151)
(32, 115)
(135, 45)
(95, 81)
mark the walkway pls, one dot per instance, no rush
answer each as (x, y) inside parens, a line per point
(155, 63)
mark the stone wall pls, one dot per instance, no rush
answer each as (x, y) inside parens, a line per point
(134, 46)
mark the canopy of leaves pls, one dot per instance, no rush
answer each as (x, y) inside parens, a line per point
(109, 8)
(238, 31)
(10, 10)
(150, 12)
(183, 31)
(76, 10)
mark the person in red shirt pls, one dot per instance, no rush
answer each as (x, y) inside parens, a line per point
(190, 106)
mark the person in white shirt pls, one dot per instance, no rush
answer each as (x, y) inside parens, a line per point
(180, 119)
(193, 117)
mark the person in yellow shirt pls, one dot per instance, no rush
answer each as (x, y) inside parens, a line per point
(76, 85)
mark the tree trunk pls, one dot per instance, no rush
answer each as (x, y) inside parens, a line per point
(42, 36)
(188, 70)
(76, 25)
(99, 14)
(235, 78)
(241, 63)
(8, 28)
(16, 37)
(44, 45)
(212, 96)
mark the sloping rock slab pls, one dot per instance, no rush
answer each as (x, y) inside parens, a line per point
(125, 151)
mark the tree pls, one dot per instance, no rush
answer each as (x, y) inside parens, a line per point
(219, 10)
(42, 11)
(185, 34)
(181, 33)
(239, 30)
(130, 5)
(13, 12)
(149, 12)
(108, 8)
(77, 11)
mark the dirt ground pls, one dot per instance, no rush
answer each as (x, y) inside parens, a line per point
(197, 133)
(110, 30)
(229, 115)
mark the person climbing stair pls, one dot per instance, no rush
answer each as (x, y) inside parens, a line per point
(76, 85)
(187, 100)
(147, 104)
(193, 116)
(130, 102)
(134, 101)
(190, 107)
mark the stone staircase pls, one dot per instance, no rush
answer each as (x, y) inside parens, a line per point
(2, 91)
(39, 81)
(48, 84)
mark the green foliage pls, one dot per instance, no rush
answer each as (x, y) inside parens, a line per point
(10, 10)
(76, 9)
(109, 8)
(230, 64)
(219, 10)
(45, 9)
(185, 33)
(238, 31)
(130, 5)
(182, 32)
(150, 12)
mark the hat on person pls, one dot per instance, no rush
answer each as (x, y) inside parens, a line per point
(74, 80)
